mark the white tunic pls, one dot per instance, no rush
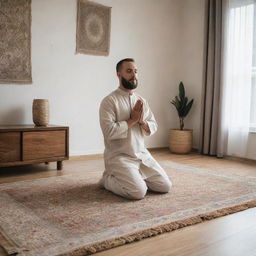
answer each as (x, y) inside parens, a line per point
(120, 141)
(129, 167)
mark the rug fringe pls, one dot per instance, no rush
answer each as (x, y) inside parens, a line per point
(97, 247)
(9, 246)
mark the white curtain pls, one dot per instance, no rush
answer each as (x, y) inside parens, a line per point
(237, 78)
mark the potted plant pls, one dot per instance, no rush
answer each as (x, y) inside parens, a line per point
(180, 140)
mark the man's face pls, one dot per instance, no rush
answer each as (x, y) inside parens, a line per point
(128, 75)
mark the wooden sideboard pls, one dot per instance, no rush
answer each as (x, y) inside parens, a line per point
(29, 144)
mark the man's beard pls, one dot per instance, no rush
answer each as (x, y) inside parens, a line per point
(130, 85)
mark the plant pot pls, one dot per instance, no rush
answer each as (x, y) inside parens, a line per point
(180, 141)
(40, 111)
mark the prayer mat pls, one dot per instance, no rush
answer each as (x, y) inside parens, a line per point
(73, 215)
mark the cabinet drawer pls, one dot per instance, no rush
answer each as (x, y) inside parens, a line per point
(44, 144)
(9, 147)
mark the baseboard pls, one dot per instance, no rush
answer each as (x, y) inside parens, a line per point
(86, 157)
(90, 156)
(158, 149)
(81, 157)
(240, 159)
(85, 152)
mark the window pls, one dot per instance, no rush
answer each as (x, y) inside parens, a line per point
(239, 88)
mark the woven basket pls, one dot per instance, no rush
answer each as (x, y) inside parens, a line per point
(180, 141)
(40, 112)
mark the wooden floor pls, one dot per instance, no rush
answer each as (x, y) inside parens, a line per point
(232, 235)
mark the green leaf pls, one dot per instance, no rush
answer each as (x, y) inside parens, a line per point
(181, 102)
(188, 107)
(185, 101)
(181, 91)
(176, 104)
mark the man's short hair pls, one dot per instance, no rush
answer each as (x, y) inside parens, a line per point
(119, 64)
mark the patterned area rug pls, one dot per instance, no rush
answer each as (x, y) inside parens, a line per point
(72, 215)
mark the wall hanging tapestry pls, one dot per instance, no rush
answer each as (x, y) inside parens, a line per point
(72, 215)
(15, 41)
(93, 28)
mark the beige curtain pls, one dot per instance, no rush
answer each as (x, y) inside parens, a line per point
(212, 77)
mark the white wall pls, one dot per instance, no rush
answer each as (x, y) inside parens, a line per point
(147, 30)
(191, 68)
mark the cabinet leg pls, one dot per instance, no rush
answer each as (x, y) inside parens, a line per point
(59, 165)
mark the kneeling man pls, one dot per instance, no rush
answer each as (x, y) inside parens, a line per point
(125, 119)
